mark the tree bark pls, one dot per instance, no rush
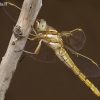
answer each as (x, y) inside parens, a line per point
(9, 62)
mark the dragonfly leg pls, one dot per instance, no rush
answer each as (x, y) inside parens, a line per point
(35, 35)
(32, 34)
(23, 51)
(31, 39)
(38, 47)
(27, 52)
(35, 52)
(33, 31)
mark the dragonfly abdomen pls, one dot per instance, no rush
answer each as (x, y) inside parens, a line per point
(63, 56)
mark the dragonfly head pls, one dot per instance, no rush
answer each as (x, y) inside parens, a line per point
(40, 25)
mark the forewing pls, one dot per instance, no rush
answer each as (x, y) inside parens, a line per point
(45, 54)
(74, 39)
(86, 65)
(12, 11)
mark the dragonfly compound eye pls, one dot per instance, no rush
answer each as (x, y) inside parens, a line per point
(42, 25)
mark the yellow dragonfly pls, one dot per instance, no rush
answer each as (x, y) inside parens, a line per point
(64, 45)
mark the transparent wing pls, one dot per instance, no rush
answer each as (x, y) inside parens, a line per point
(86, 65)
(12, 11)
(74, 39)
(45, 54)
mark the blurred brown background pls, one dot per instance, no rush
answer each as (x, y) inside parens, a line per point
(34, 80)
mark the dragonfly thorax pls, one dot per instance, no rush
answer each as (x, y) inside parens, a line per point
(52, 40)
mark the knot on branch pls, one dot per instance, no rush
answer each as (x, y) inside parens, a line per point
(17, 33)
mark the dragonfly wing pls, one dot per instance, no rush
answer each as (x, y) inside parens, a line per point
(12, 11)
(45, 54)
(74, 39)
(86, 65)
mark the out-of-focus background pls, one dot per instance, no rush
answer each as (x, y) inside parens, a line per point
(34, 80)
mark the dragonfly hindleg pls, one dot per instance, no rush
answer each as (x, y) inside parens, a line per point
(36, 50)
(38, 47)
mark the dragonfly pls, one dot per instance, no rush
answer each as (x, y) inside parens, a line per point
(63, 45)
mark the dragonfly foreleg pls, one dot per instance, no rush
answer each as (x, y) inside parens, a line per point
(35, 35)
(33, 31)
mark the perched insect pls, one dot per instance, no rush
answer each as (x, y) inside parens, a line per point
(63, 45)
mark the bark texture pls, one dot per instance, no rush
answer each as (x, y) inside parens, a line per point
(9, 62)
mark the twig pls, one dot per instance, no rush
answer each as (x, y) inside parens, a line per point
(9, 62)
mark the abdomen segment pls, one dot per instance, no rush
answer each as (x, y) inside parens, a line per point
(63, 56)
